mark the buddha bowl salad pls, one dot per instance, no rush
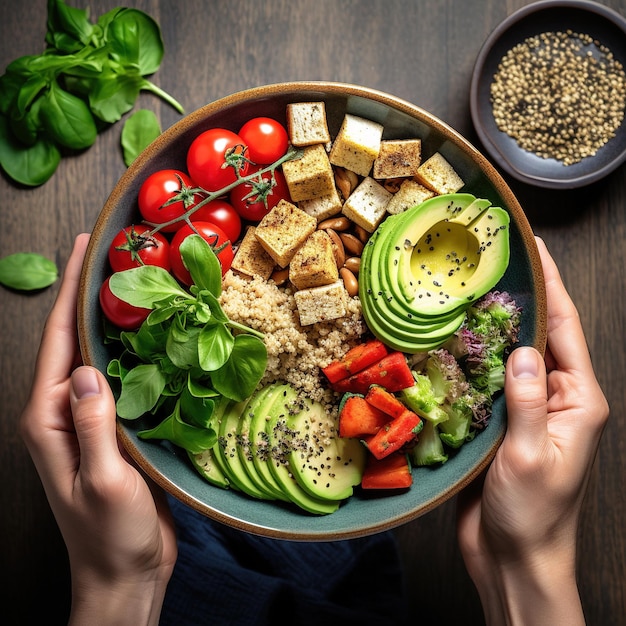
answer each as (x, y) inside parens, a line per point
(307, 315)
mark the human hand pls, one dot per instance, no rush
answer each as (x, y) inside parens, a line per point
(517, 529)
(116, 526)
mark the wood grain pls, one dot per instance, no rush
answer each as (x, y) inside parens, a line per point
(419, 50)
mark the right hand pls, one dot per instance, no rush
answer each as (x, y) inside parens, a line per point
(517, 528)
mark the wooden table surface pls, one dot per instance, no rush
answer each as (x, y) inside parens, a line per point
(420, 50)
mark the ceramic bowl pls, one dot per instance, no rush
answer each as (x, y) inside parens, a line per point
(361, 514)
(580, 16)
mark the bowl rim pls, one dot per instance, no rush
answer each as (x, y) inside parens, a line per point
(327, 88)
(485, 137)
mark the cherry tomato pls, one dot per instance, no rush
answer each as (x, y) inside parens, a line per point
(118, 312)
(266, 139)
(214, 235)
(160, 187)
(222, 214)
(253, 209)
(131, 248)
(206, 158)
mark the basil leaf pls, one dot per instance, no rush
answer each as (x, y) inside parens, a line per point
(145, 286)
(202, 263)
(141, 388)
(114, 94)
(215, 345)
(186, 436)
(196, 411)
(198, 389)
(182, 346)
(134, 38)
(27, 271)
(67, 119)
(30, 89)
(139, 131)
(69, 29)
(29, 165)
(239, 377)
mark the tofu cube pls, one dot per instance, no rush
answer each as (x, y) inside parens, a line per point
(398, 158)
(251, 257)
(357, 144)
(367, 204)
(314, 263)
(306, 123)
(321, 304)
(310, 176)
(283, 230)
(437, 174)
(323, 206)
(410, 193)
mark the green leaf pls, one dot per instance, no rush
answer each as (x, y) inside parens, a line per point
(69, 29)
(67, 119)
(202, 263)
(114, 94)
(145, 286)
(30, 89)
(135, 39)
(29, 165)
(215, 345)
(239, 377)
(196, 411)
(139, 131)
(141, 388)
(182, 346)
(27, 271)
(186, 436)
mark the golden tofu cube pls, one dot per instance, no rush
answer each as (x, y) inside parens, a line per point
(323, 206)
(310, 176)
(437, 174)
(357, 144)
(306, 123)
(321, 304)
(398, 158)
(367, 204)
(410, 193)
(251, 257)
(283, 230)
(314, 263)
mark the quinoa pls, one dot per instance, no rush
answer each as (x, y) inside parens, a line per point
(295, 353)
(560, 95)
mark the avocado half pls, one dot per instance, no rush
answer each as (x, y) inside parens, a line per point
(422, 269)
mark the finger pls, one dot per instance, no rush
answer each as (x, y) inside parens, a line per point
(566, 339)
(93, 411)
(59, 344)
(526, 397)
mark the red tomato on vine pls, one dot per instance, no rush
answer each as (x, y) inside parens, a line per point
(133, 247)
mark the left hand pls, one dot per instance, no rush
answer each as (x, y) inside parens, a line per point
(116, 525)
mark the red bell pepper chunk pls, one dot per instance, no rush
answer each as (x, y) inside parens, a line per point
(392, 472)
(394, 435)
(355, 360)
(391, 372)
(382, 399)
(359, 418)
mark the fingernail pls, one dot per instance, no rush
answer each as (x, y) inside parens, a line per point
(525, 363)
(85, 382)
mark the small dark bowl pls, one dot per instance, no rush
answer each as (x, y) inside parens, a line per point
(582, 16)
(361, 514)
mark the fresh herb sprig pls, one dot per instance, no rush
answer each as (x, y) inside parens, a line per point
(187, 353)
(89, 75)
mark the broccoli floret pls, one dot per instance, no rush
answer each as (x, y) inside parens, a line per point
(429, 448)
(423, 399)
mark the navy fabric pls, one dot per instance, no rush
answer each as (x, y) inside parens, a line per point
(228, 577)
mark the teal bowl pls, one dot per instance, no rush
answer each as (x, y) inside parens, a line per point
(362, 514)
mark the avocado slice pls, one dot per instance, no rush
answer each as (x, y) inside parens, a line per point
(325, 465)
(227, 451)
(423, 268)
(280, 442)
(205, 464)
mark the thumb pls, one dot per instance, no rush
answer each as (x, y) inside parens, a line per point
(526, 396)
(93, 411)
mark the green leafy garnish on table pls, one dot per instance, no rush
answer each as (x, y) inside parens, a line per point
(89, 75)
(27, 271)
